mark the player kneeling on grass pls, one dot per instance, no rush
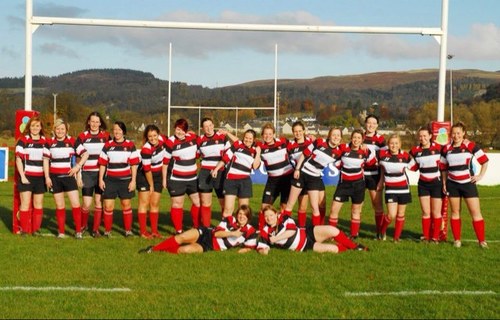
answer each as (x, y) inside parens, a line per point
(281, 232)
(230, 233)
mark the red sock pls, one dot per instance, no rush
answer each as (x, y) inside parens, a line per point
(108, 221)
(379, 218)
(316, 220)
(61, 219)
(322, 213)
(176, 214)
(456, 228)
(426, 227)
(302, 218)
(127, 219)
(479, 229)
(97, 219)
(195, 216)
(355, 223)
(169, 245)
(142, 217)
(333, 221)
(77, 218)
(344, 240)
(400, 222)
(153, 219)
(85, 217)
(385, 223)
(24, 218)
(206, 216)
(37, 219)
(341, 247)
(437, 228)
(262, 220)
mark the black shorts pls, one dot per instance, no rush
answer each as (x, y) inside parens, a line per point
(371, 181)
(350, 189)
(179, 188)
(242, 188)
(63, 184)
(36, 185)
(90, 183)
(308, 182)
(310, 238)
(277, 186)
(206, 183)
(143, 185)
(205, 239)
(464, 190)
(399, 198)
(116, 187)
(433, 189)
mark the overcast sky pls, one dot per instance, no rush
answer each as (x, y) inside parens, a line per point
(219, 58)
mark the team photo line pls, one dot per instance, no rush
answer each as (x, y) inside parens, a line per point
(108, 166)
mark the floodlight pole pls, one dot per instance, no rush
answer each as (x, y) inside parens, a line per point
(55, 107)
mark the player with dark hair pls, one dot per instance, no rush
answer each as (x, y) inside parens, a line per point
(460, 182)
(117, 177)
(230, 233)
(31, 148)
(93, 139)
(427, 156)
(281, 232)
(62, 177)
(296, 146)
(240, 159)
(352, 182)
(307, 174)
(393, 163)
(211, 146)
(181, 152)
(374, 141)
(150, 180)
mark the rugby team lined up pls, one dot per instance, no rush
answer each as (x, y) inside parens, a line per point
(108, 166)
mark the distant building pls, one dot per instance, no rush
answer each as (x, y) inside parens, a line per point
(287, 129)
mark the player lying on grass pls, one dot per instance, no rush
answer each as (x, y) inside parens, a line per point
(230, 233)
(281, 232)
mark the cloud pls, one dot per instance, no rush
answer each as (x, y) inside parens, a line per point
(51, 9)
(9, 52)
(57, 49)
(482, 43)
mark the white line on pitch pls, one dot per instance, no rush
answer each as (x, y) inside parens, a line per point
(20, 288)
(415, 293)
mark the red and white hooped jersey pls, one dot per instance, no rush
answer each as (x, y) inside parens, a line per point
(297, 242)
(118, 157)
(32, 153)
(180, 156)
(248, 239)
(295, 149)
(318, 155)
(93, 143)
(374, 143)
(212, 149)
(458, 161)
(428, 161)
(152, 157)
(275, 158)
(352, 162)
(394, 166)
(239, 159)
(61, 154)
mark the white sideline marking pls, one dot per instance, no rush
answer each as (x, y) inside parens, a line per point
(415, 293)
(19, 288)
